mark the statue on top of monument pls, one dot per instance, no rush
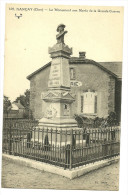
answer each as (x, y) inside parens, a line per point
(60, 36)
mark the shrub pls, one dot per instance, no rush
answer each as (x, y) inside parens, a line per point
(112, 119)
(85, 122)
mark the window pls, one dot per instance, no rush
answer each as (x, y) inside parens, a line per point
(72, 73)
(89, 102)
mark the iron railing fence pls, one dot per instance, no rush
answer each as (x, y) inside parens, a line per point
(65, 148)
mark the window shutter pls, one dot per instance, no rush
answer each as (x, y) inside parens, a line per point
(95, 104)
(82, 102)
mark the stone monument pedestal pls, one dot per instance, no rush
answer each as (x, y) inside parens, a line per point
(58, 100)
(59, 123)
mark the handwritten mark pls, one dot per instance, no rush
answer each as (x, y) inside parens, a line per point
(18, 16)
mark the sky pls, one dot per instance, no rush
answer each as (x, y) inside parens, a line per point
(99, 34)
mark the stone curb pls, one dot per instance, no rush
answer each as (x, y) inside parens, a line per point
(71, 174)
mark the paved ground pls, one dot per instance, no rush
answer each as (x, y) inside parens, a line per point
(17, 176)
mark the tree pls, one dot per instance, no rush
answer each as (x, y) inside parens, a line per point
(25, 101)
(7, 105)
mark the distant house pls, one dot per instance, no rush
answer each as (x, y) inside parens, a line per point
(96, 87)
(17, 111)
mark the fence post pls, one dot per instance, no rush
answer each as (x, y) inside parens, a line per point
(28, 139)
(71, 137)
(10, 139)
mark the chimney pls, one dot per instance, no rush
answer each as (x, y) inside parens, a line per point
(82, 55)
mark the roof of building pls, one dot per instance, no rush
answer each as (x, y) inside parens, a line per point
(113, 68)
(14, 107)
(38, 70)
(18, 105)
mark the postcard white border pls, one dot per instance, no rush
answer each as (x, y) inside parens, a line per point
(124, 134)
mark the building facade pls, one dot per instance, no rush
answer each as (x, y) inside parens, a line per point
(96, 87)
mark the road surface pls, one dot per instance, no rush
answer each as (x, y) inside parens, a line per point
(17, 176)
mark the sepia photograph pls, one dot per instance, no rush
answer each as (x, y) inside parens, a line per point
(62, 97)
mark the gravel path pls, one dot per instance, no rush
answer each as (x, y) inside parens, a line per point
(17, 176)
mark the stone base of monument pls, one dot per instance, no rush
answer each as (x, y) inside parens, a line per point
(59, 123)
(65, 125)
